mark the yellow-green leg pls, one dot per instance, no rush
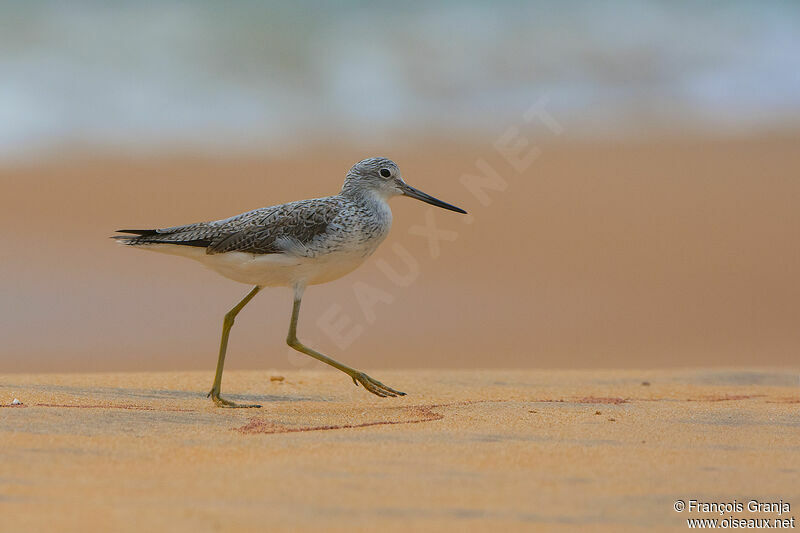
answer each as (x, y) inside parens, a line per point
(227, 324)
(372, 385)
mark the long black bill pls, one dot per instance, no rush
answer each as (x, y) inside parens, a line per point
(411, 192)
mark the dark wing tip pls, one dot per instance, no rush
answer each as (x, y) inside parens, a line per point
(138, 231)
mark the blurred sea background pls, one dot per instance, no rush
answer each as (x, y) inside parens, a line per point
(264, 75)
(658, 227)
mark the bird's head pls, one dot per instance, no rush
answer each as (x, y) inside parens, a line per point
(381, 176)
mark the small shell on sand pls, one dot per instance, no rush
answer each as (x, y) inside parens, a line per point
(16, 402)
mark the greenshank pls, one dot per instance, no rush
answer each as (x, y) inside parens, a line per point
(293, 245)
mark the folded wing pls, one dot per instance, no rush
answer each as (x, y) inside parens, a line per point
(288, 228)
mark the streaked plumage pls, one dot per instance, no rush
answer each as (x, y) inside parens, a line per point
(308, 241)
(295, 244)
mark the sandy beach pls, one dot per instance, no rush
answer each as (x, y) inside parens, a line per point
(606, 341)
(673, 257)
(472, 450)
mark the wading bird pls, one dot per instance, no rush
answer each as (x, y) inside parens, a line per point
(293, 245)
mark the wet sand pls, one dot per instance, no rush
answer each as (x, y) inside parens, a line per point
(465, 450)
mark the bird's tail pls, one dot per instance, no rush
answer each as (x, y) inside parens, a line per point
(139, 236)
(174, 236)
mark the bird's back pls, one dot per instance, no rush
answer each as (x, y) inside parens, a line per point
(260, 231)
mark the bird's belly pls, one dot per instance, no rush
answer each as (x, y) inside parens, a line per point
(282, 270)
(272, 270)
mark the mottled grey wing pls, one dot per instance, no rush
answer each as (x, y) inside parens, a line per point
(278, 231)
(269, 230)
(201, 234)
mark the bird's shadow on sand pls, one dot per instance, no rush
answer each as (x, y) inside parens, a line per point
(118, 393)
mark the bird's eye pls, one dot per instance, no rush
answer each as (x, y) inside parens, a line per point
(385, 172)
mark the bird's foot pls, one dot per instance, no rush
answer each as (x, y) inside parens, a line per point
(222, 402)
(374, 386)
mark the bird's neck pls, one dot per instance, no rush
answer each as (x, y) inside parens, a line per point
(372, 200)
(367, 197)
